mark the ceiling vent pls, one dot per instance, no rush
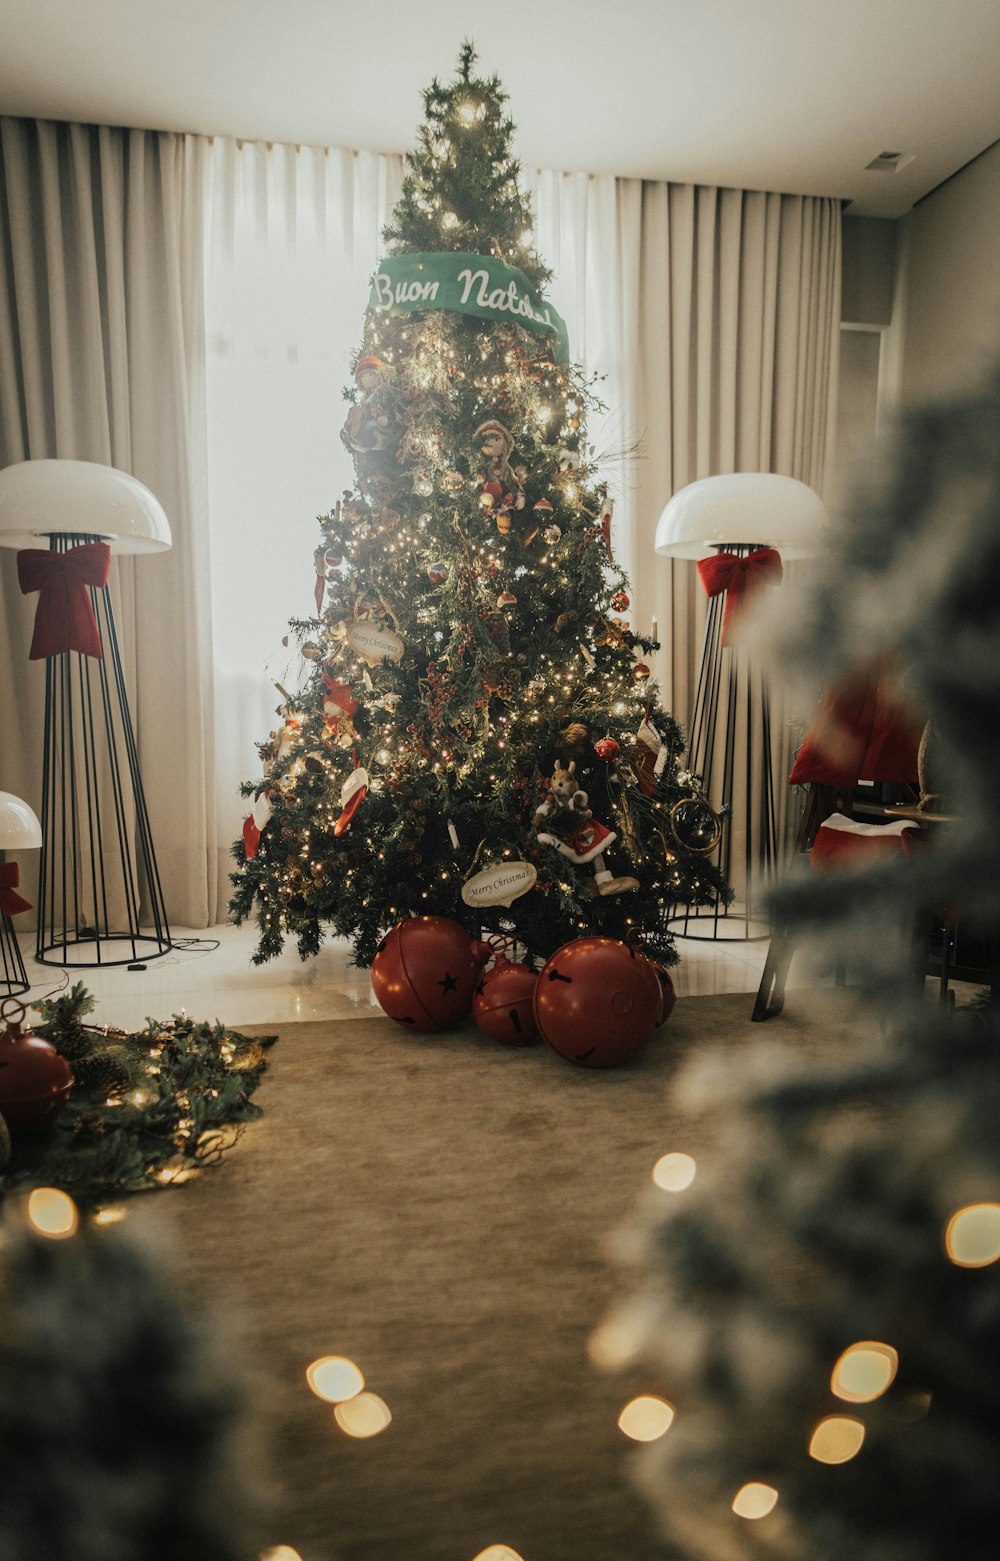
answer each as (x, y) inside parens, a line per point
(889, 162)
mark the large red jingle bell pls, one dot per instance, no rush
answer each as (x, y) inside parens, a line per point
(35, 1080)
(667, 992)
(503, 1006)
(598, 1002)
(425, 970)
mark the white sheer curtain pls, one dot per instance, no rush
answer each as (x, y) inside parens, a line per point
(291, 241)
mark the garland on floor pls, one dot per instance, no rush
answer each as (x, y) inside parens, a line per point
(149, 1108)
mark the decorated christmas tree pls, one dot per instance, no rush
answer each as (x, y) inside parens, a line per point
(821, 1301)
(479, 737)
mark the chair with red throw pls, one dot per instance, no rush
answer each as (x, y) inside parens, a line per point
(864, 737)
(840, 844)
(864, 740)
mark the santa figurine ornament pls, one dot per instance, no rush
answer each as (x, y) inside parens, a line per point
(339, 710)
(564, 820)
(502, 487)
(368, 425)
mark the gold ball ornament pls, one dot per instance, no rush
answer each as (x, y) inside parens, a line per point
(551, 535)
(311, 651)
(641, 672)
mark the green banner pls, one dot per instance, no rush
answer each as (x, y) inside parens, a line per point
(469, 284)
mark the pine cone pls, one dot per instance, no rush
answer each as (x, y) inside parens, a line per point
(499, 632)
(248, 1058)
(574, 738)
(73, 1042)
(106, 1072)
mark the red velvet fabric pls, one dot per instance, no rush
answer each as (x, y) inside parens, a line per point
(11, 902)
(862, 733)
(64, 617)
(838, 848)
(740, 578)
(251, 837)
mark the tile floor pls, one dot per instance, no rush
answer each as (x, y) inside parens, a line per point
(222, 983)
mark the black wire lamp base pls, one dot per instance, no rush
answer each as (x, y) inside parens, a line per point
(730, 730)
(729, 747)
(13, 976)
(100, 901)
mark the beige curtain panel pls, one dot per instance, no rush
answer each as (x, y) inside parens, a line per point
(101, 359)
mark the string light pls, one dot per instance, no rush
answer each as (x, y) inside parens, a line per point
(673, 1172)
(363, 1416)
(864, 1371)
(972, 1235)
(335, 1378)
(755, 1501)
(837, 1439)
(52, 1213)
(646, 1419)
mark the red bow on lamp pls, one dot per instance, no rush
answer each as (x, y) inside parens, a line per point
(64, 618)
(739, 578)
(10, 901)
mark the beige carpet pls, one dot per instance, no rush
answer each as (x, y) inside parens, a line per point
(436, 1208)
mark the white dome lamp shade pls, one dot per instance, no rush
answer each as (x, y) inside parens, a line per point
(744, 507)
(19, 828)
(82, 498)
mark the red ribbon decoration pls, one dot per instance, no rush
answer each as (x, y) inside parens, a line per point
(10, 902)
(64, 618)
(739, 578)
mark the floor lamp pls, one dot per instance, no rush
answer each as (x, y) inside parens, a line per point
(98, 865)
(19, 831)
(739, 528)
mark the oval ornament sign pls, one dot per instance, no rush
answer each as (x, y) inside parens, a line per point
(374, 644)
(499, 885)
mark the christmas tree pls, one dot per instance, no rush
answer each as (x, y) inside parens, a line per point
(479, 718)
(822, 1302)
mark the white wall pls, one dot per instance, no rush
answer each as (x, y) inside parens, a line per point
(949, 298)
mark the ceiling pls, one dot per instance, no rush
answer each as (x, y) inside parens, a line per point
(793, 95)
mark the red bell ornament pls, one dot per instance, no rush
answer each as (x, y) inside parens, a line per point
(667, 991)
(598, 1002)
(425, 971)
(35, 1080)
(503, 1006)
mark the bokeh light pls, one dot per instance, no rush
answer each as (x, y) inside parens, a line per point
(612, 1344)
(646, 1418)
(674, 1172)
(755, 1500)
(864, 1371)
(334, 1378)
(836, 1439)
(109, 1214)
(280, 1553)
(52, 1213)
(498, 1553)
(363, 1416)
(972, 1239)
